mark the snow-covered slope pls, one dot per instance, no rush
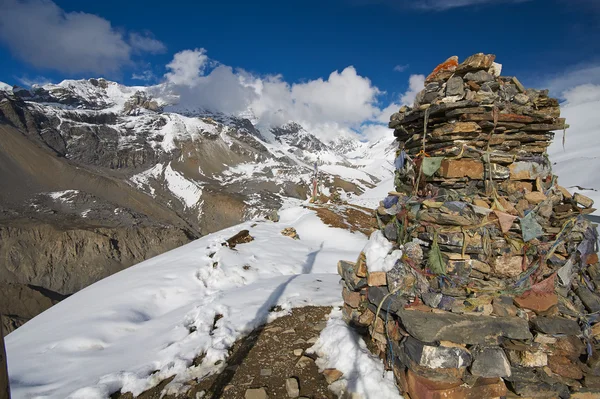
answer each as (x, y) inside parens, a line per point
(133, 329)
(578, 164)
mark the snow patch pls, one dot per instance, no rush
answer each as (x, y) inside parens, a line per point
(340, 347)
(63, 196)
(142, 180)
(189, 192)
(6, 87)
(378, 253)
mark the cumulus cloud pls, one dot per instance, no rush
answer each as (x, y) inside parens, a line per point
(415, 85)
(343, 103)
(43, 35)
(401, 68)
(344, 97)
(187, 67)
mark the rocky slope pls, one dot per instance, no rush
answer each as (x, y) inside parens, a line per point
(96, 176)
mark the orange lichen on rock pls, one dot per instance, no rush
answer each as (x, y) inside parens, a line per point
(444, 70)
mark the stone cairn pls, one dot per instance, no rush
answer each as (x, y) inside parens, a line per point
(482, 280)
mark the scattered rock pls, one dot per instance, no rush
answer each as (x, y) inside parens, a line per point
(256, 393)
(240, 238)
(332, 375)
(304, 361)
(290, 232)
(292, 387)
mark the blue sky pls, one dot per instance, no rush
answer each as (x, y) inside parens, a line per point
(543, 42)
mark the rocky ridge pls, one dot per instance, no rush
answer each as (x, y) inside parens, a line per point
(483, 278)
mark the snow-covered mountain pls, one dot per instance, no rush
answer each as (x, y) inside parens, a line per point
(93, 163)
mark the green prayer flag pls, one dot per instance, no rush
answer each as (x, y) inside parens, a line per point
(431, 165)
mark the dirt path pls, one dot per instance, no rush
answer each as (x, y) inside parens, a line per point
(266, 359)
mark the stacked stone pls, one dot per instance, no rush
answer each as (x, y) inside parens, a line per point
(483, 279)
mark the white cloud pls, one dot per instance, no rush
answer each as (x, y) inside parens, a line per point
(583, 94)
(384, 115)
(343, 100)
(401, 67)
(374, 132)
(344, 103)
(436, 5)
(415, 85)
(187, 67)
(43, 35)
(442, 5)
(145, 76)
(38, 80)
(573, 77)
(146, 43)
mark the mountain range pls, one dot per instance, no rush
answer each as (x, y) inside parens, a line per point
(96, 176)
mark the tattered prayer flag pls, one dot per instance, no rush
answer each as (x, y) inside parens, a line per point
(431, 165)
(505, 220)
(530, 227)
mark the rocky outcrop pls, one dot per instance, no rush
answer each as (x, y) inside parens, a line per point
(67, 260)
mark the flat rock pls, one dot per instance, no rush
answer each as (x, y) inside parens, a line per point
(564, 367)
(476, 62)
(535, 197)
(538, 302)
(351, 298)
(490, 363)
(393, 303)
(584, 201)
(464, 329)
(521, 170)
(443, 70)
(455, 87)
(556, 325)
(479, 76)
(376, 279)
(347, 270)
(457, 168)
(435, 357)
(589, 299)
(507, 265)
(528, 358)
(419, 387)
